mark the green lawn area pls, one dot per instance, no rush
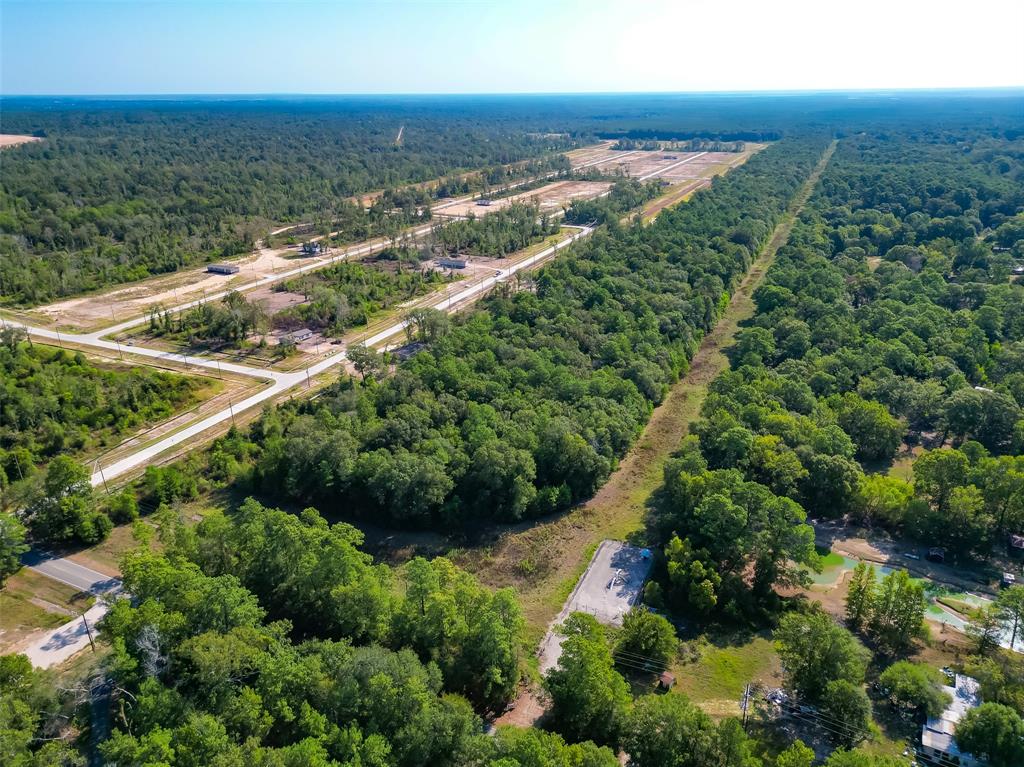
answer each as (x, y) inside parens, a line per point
(19, 616)
(903, 467)
(716, 679)
(829, 558)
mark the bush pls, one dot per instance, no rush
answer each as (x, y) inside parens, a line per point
(122, 508)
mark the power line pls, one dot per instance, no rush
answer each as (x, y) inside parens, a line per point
(638, 656)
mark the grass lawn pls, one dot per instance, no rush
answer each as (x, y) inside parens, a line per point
(903, 467)
(105, 556)
(715, 680)
(30, 601)
(960, 605)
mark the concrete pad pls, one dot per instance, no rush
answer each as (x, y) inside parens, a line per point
(609, 588)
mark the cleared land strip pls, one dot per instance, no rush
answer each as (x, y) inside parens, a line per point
(281, 382)
(562, 547)
(138, 312)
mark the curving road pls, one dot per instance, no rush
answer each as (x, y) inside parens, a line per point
(280, 382)
(61, 643)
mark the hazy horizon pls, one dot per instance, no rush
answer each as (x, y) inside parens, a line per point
(182, 47)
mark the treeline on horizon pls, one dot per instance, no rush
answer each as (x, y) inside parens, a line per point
(114, 195)
(123, 189)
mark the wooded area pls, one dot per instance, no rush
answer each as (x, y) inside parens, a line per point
(889, 327)
(57, 402)
(526, 404)
(185, 183)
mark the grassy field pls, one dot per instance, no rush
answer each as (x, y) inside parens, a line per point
(723, 667)
(544, 560)
(30, 601)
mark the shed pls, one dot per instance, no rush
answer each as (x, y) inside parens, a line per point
(302, 334)
(452, 262)
(666, 680)
(1016, 545)
(222, 269)
(936, 554)
(483, 201)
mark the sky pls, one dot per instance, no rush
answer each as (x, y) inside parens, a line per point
(77, 47)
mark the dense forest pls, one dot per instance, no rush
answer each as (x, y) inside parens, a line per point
(119, 192)
(888, 330)
(123, 189)
(497, 234)
(55, 402)
(890, 321)
(524, 406)
(892, 318)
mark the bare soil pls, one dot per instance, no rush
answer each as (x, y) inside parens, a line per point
(551, 197)
(13, 139)
(93, 311)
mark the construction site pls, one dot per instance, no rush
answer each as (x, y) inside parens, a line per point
(114, 323)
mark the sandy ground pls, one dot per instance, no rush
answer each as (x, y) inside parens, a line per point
(11, 139)
(550, 197)
(128, 301)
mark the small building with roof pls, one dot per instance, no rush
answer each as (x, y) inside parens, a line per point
(938, 734)
(300, 335)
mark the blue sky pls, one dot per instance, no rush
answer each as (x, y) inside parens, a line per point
(487, 46)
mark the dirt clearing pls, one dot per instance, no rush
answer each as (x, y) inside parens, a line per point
(12, 139)
(551, 197)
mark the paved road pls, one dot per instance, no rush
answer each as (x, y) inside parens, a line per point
(612, 583)
(71, 573)
(280, 382)
(267, 279)
(58, 645)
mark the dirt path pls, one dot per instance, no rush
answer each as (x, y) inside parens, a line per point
(543, 561)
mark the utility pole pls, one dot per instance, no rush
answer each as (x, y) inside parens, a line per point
(232, 411)
(745, 704)
(100, 469)
(88, 631)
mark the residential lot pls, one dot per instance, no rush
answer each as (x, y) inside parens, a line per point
(551, 198)
(608, 589)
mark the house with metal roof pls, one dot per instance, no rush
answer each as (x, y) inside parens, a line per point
(938, 734)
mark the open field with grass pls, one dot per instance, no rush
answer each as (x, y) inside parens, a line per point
(715, 670)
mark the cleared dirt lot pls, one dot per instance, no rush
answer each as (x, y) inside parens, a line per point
(551, 197)
(95, 311)
(12, 139)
